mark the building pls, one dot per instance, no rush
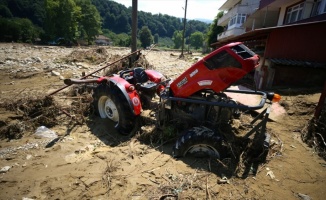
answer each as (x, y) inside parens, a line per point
(236, 12)
(102, 40)
(289, 35)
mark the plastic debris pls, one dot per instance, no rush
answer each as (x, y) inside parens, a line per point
(270, 173)
(223, 180)
(43, 131)
(304, 196)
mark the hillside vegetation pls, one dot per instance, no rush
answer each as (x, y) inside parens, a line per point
(26, 20)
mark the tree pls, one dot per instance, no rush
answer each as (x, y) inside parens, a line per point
(62, 19)
(145, 37)
(177, 39)
(17, 29)
(50, 23)
(214, 30)
(196, 39)
(67, 20)
(28, 32)
(5, 12)
(156, 37)
(90, 20)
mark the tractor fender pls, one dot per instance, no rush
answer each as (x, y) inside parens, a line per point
(131, 96)
(154, 76)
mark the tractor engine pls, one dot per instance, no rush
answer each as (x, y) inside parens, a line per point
(187, 114)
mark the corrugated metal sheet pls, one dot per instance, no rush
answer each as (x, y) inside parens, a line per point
(290, 62)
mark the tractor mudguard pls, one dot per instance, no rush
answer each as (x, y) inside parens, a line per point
(129, 93)
(154, 76)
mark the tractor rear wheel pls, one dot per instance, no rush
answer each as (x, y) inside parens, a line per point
(199, 142)
(109, 102)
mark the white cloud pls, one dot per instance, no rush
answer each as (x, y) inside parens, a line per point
(204, 9)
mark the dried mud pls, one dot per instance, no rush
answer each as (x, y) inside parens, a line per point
(90, 160)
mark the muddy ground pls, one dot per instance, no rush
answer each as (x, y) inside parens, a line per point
(90, 160)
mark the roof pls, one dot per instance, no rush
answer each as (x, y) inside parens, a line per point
(258, 33)
(102, 37)
(228, 4)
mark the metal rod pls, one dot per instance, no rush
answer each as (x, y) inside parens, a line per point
(58, 90)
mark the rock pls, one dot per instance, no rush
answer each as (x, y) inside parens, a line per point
(54, 73)
(304, 196)
(82, 65)
(11, 59)
(64, 66)
(4, 169)
(37, 59)
(61, 77)
(26, 198)
(28, 157)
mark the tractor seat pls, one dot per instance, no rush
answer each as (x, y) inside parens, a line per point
(142, 80)
(140, 75)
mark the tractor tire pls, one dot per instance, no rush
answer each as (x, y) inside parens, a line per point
(200, 142)
(109, 102)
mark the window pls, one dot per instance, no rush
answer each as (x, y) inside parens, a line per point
(294, 13)
(243, 51)
(237, 19)
(221, 60)
(319, 7)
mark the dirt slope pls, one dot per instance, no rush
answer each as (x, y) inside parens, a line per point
(90, 160)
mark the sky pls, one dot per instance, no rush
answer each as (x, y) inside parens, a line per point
(196, 9)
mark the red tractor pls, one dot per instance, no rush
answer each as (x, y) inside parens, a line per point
(195, 101)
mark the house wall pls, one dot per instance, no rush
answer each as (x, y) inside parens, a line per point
(305, 42)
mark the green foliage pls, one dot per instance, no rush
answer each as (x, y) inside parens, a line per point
(177, 39)
(121, 39)
(214, 30)
(165, 42)
(196, 39)
(83, 19)
(156, 38)
(5, 12)
(117, 18)
(72, 19)
(18, 30)
(90, 20)
(145, 37)
(67, 19)
(30, 9)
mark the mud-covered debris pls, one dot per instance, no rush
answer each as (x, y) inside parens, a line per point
(314, 134)
(4, 169)
(33, 112)
(93, 55)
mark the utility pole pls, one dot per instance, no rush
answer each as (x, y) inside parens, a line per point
(184, 30)
(134, 26)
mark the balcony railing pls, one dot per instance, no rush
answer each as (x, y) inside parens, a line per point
(231, 33)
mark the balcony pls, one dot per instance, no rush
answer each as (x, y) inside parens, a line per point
(230, 33)
(243, 9)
